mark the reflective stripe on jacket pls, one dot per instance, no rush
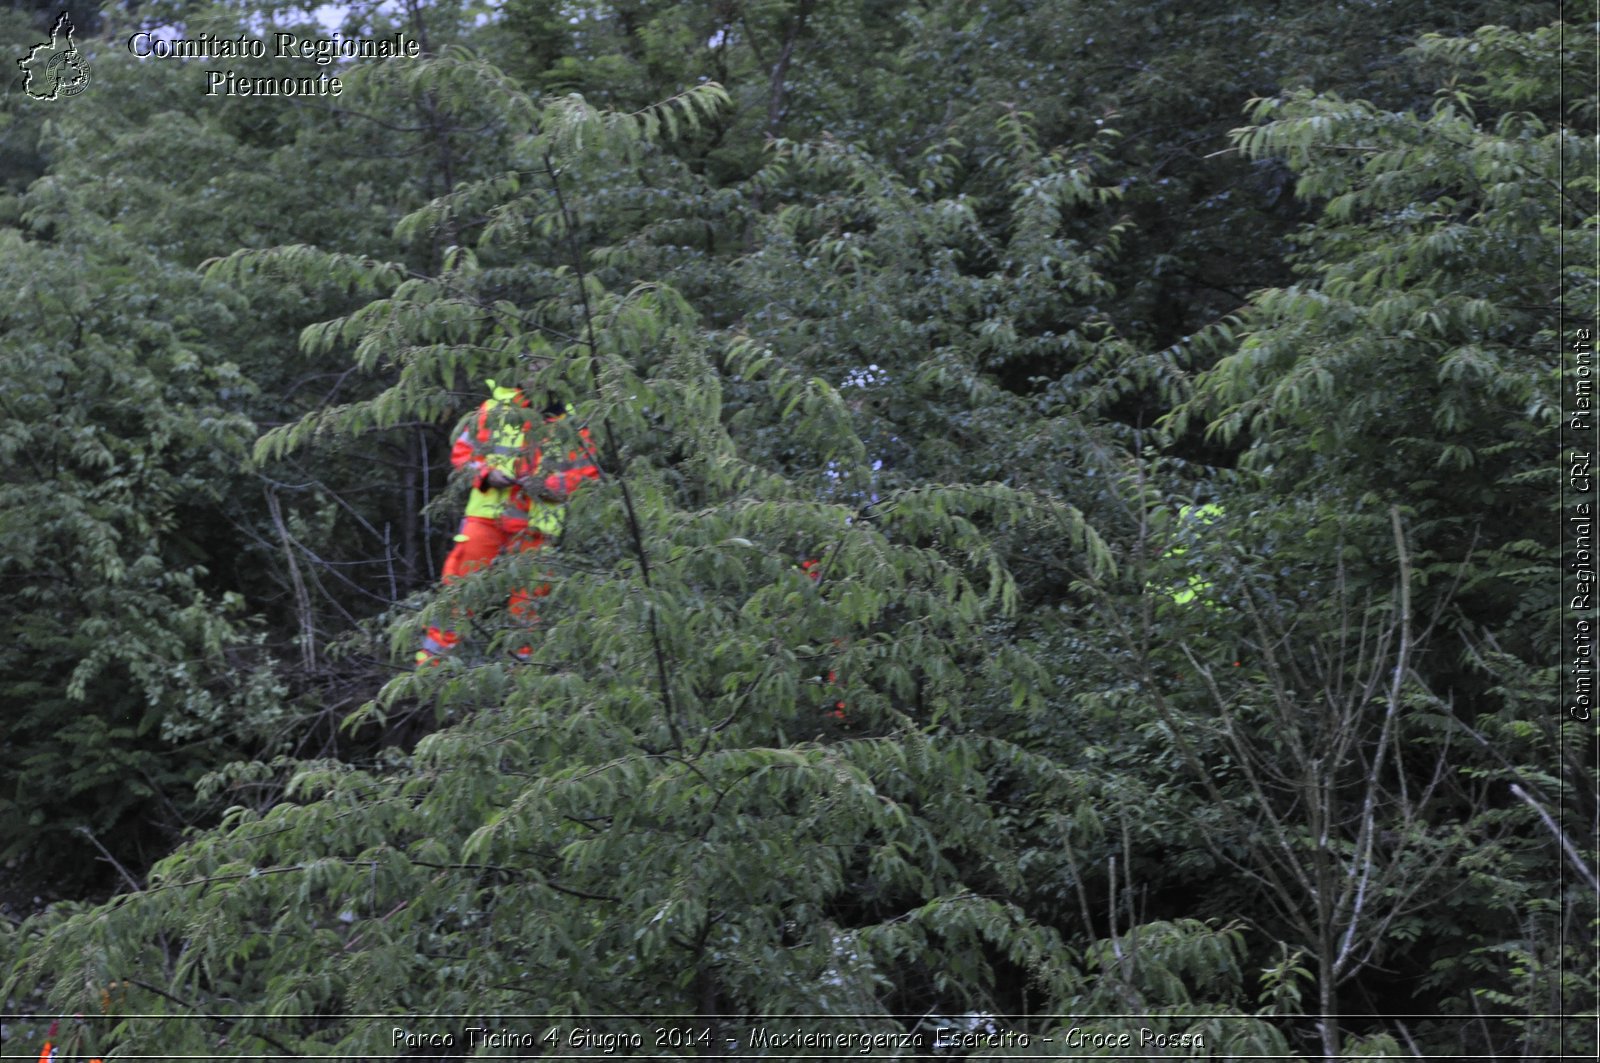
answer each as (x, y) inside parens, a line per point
(498, 440)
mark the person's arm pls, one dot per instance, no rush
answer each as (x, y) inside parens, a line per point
(579, 467)
(559, 485)
(466, 454)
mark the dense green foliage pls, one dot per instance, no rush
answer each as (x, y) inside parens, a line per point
(967, 304)
(128, 669)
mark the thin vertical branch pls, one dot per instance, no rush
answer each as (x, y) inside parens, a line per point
(388, 558)
(427, 471)
(614, 457)
(1367, 832)
(1111, 917)
(302, 598)
(1077, 881)
(1127, 874)
(1402, 664)
(412, 521)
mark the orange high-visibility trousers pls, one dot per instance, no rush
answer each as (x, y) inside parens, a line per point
(479, 542)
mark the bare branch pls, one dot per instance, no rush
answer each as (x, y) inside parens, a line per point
(1566, 843)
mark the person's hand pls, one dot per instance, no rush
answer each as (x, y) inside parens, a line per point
(497, 478)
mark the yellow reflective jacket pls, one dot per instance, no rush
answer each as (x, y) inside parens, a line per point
(1196, 517)
(498, 439)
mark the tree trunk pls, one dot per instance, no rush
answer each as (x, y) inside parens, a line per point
(1327, 999)
(780, 69)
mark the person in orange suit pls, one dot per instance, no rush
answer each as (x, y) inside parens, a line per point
(521, 479)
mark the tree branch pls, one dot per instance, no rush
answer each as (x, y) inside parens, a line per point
(273, 1041)
(614, 458)
(1566, 843)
